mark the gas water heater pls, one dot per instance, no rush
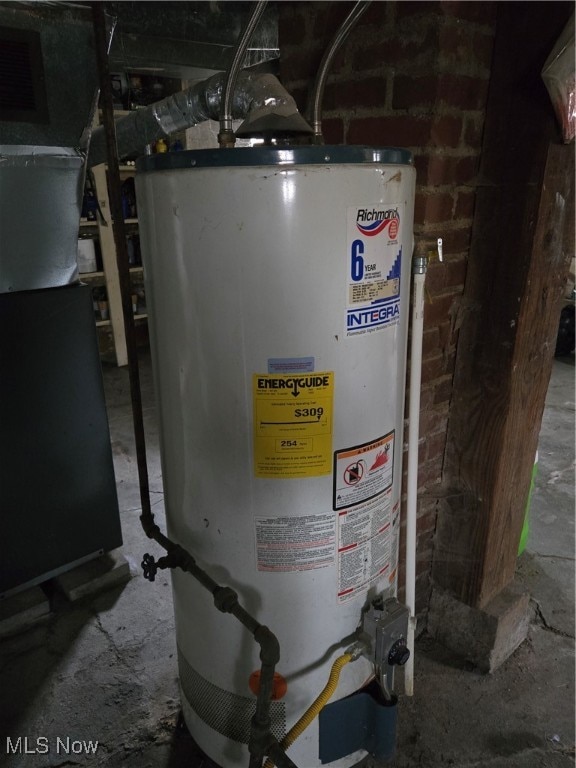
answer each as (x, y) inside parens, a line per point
(278, 292)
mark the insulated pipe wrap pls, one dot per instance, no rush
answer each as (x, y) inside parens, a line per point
(258, 95)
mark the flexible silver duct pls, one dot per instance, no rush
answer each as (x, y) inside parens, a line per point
(259, 98)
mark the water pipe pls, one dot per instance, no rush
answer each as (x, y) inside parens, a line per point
(419, 266)
(315, 102)
(226, 136)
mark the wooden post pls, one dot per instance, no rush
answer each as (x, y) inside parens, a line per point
(509, 315)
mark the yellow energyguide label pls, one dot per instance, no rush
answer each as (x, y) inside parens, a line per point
(293, 424)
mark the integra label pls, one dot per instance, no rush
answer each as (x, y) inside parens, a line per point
(367, 318)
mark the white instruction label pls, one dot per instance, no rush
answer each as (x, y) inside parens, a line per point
(364, 551)
(373, 264)
(363, 471)
(295, 543)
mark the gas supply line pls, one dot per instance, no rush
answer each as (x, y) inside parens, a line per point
(262, 742)
(319, 702)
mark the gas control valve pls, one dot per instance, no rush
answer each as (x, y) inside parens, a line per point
(384, 632)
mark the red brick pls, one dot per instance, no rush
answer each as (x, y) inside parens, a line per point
(327, 18)
(424, 554)
(456, 44)
(424, 557)
(462, 92)
(300, 65)
(430, 344)
(412, 50)
(438, 311)
(443, 389)
(446, 131)
(432, 208)
(430, 473)
(423, 590)
(479, 11)
(456, 240)
(428, 522)
(436, 445)
(465, 50)
(465, 205)
(374, 14)
(401, 131)
(483, 48)
(422, 451)
(426, 243)
(424, 544)
(426, 396)
(448, 274)
(422, 164)
(443, 170)
(433, 420)
(407, 53)
(411, 92)
(411, 8)
(447, 333)
(426, 504)
(333, 130)
(370, 57)
(473, 131)
(291, 29)
(438, 366)
(370, 92)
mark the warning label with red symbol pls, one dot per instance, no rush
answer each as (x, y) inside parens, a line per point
(363, 471)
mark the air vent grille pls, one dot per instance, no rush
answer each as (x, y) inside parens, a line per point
(22, 92)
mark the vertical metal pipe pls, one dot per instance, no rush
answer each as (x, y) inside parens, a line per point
(101, 40)
(315, 103)
(226, 135)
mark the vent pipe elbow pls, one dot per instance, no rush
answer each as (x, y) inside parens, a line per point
(259, 98)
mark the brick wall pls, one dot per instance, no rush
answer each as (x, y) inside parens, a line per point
(415, 75)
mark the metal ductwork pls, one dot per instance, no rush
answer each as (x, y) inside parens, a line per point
(267, 108)
(188, 40)
(49, 50)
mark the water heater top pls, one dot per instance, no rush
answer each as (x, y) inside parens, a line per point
(266, 155)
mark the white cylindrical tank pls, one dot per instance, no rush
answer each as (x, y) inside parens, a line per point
(277, 284)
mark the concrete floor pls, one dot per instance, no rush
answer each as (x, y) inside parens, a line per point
(105, 669)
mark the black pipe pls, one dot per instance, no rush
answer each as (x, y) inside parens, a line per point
(114, 187)
(225, 599)
(262, 742)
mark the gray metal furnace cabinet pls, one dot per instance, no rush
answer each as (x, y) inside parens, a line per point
(58, 503)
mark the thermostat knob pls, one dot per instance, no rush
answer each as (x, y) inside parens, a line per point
(399, 653)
